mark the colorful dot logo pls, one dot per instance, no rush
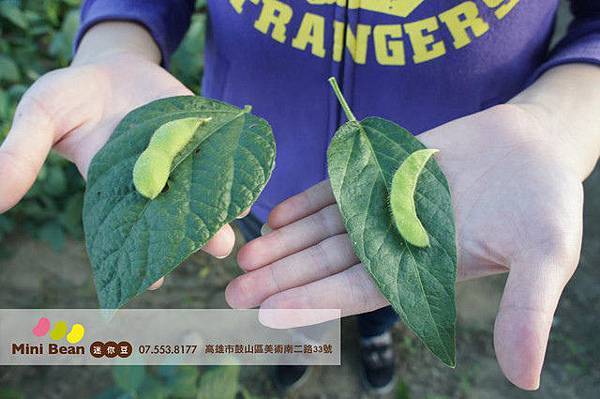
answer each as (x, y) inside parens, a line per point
(59, 331)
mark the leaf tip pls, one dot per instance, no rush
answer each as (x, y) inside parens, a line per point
(450, 362)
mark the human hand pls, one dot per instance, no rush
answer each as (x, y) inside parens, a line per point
(75, 110)
(518, 208)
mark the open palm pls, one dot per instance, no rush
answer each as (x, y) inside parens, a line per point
(75, 110)
(517, 207)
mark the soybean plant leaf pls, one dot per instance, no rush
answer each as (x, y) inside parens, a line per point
(152, 388)
(9, 71)
(14, 14)
(129, 378)
(183, 384)
(133, 241)
(219, 382)
(53, 234)
(418, 282)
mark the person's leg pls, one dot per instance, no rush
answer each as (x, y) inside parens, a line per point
(285, 377)
(376, 322)
(378, 364)
(249, 227)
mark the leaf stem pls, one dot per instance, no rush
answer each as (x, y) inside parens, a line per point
(338, 93)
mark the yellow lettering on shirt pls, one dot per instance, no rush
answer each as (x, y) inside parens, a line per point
(393, 44)
(277, 14)
(399, 8)
(460, 19)
(338, 40)
(357, 44)
(312, 31)
(505, 6)
(389, 49)
(424, 45)
(238, 5)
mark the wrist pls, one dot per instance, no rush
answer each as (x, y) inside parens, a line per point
(563, 103)
(115, 38)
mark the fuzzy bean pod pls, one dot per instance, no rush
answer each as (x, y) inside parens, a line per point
(402, 201)
(153, 167)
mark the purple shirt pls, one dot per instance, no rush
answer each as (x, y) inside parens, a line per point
(420, 63)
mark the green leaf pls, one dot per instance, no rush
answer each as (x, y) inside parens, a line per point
(6, 225)
(133, 241)
(402, 390)
(5, 106)
(129, 378)
(187, 63)
(55, 183)
(62, 42)
(53, 11)
(70, 217)
(13, 14)
(219, 382)
(152, 388)
(9, 71)
(112, 393)
(418, 282)
(72, 3)
(53, 234)
(248, 395)
(11, 393)
(184, 383)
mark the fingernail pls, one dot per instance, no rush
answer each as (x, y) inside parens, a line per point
(222, 256)
(265, 229)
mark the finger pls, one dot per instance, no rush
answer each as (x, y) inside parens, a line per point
(353, 291)
(301, 205)
(525, 316)
(24, 151)
(324, 259)
(291, 318)
(221, 244)
(157, 284)
(291, 238)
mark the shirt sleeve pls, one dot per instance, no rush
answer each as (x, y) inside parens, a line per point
(581, 44)
(166, 20)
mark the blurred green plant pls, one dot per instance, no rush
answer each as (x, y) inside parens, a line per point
(10, 393)
(181, 382)
(36, 36)
(402, 390)
(187, 63)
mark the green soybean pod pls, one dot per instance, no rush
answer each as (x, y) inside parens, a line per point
(402, 201)
(153, 167)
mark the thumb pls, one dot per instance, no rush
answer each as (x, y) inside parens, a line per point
(49, 110)
(24, 150)
(525, 317)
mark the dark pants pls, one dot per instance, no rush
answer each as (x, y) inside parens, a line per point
(369, 324)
